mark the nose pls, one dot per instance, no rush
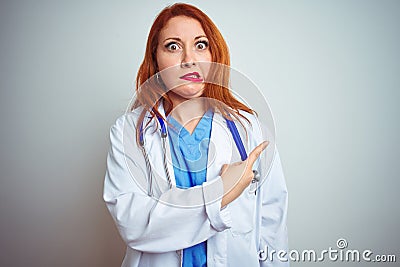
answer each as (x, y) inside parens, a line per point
(188, 59)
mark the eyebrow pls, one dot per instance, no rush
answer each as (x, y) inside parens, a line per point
(180, 40)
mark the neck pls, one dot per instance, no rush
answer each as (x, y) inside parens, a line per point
(188, 112)
(189, 109)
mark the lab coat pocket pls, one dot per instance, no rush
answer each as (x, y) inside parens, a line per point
(241, 242)
(242, 212)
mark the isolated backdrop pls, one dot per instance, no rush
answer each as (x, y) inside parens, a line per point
(330, 71)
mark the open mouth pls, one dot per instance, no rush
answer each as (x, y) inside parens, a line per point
(192, 77)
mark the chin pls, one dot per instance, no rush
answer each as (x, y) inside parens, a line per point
(189, 91)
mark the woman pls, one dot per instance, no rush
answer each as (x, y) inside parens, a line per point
(180, 190)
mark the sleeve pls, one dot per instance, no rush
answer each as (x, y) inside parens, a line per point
(273, 212)
(154, 225)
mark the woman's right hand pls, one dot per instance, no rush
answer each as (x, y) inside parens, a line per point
(237, 176)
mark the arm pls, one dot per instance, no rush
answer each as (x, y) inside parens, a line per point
(152, 225)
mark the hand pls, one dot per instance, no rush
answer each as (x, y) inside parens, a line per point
(237, 176)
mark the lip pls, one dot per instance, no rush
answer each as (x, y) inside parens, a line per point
(192, 77)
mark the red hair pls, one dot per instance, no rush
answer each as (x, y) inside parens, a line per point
(150, 93)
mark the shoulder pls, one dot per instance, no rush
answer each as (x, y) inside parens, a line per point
(250, 123)
(248, 118)
(126, 121)
(129, 117)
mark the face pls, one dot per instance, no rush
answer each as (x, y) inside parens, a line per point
(182, 47)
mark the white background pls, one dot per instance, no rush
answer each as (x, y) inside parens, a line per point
(330, 71)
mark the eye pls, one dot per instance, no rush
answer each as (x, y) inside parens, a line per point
(172, 46)
(202, 45)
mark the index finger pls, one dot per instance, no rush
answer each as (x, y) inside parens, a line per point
(256, 152)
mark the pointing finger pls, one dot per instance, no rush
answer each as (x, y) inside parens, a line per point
(256, 152)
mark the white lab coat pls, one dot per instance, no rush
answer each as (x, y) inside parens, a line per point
(156, 231)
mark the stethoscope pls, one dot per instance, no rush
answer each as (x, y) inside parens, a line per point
(236, 137)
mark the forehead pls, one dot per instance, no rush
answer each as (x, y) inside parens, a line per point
(182, 26)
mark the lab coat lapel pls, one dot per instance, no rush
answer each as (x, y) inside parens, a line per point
(220, 148)
(170, 167)
(154, 148)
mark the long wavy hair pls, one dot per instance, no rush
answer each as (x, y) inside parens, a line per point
(150, 92)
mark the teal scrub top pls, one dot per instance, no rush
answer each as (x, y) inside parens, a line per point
(189, 154)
